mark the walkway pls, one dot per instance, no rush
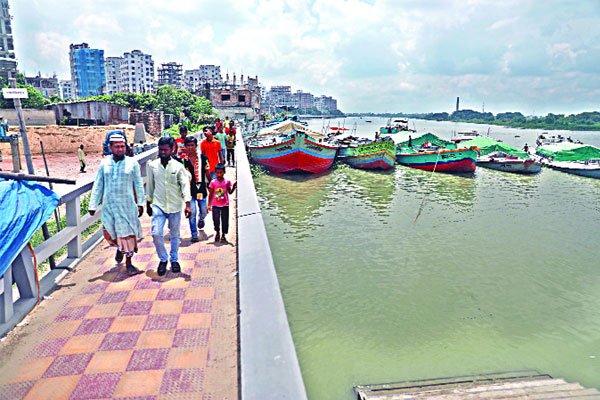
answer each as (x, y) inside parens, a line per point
(106, 335)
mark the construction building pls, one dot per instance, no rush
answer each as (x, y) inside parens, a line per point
(170, 73)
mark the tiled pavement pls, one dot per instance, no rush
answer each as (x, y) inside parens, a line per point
(106, 335)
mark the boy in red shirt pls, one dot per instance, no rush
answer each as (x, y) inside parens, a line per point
(211, 148)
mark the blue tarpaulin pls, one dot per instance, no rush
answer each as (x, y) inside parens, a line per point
(24, 207)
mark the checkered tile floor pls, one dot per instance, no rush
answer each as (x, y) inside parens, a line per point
(142, 337)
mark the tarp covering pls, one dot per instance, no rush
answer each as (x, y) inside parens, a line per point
(488, 145)
(418, 139)
(24, 207)
(567, 151)
(289, 127)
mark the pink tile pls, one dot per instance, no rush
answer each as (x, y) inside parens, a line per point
(182, 381)
(147, 359)
(95, 325)
(14, 391)
(171, 294)
(114, 297)
(202, 281)
(95, 288)
(49, 348)
(73, 313)
(119, 341)
(161, 322)
(136, 308)
(196, 306)
(191, 337)
(148, 284)
(72, 364)
(98, 386)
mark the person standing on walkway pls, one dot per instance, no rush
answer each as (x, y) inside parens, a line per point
(230, 143)
(120, 190)
(218, 126)
(218, 202)
(222, 138)
(197, 166)
(81, 156)
(211, 148)
(167, 188)
(180, 142)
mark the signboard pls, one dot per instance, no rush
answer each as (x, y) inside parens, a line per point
(10, 93)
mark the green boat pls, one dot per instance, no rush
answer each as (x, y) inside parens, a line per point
(503, 157)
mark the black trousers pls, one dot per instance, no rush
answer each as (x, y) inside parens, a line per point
(221, 219)
(81, 166)
(231, 156)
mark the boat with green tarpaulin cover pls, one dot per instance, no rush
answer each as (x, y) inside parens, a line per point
(368, 154)
(431, 153)
(572, 158)
(500, 156)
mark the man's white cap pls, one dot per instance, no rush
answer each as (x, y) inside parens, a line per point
(116, 138)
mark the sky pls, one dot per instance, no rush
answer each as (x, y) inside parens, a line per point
(532, 56)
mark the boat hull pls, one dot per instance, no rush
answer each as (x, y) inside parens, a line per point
(587, 172)
(527, 167)
(448, 161)
(300, 154)
(378, 155)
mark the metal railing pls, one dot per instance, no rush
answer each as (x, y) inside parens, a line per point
(22, 270)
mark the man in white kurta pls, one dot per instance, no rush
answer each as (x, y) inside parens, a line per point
(120, 190)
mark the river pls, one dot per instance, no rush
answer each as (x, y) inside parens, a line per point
(496, 272)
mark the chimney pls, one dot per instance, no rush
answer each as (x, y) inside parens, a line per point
(457, 103)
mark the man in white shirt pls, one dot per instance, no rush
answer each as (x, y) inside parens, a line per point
(167, 188)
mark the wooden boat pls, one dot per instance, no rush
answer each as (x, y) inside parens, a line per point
(464, 136)
(501, 161)
(439, 159)
(589, 169)
(399, 125)
(368, 154)
(291, 147)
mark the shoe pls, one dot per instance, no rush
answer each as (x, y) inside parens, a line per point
(162, 268)
(223, 239)
(132, 270)
(119, 256)
(217, 237)
(175, 267)
(195, 240)
(201, 224)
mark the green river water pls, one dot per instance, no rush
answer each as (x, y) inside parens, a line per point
(499, 272)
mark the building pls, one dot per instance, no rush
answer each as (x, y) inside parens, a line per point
(87, 70)
(279, 96)
(46, 86)
(137, 73)
(65, 90)
(90, 112)
(112, 67)
(237, 100)
(303, 100)
(171, 73)
(8, 60)
(196, 79)
(326, 104)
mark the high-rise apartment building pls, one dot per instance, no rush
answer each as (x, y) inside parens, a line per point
(170, 73)
(195, 79)
(137, 73)
(8, 60)
(47, 86)
(87, 70)
(112, 66)
(303, 100)
(280, 96)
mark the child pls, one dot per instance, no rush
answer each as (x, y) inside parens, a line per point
(218, 202)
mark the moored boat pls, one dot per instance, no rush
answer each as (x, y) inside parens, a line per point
(589, 169)
(291, 147)
(431, 153)
(368, 154)
(397, 126)
(500, 156)
(572, 158)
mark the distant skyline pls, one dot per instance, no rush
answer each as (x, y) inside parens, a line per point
(408, 56)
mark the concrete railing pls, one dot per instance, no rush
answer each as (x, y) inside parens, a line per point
(22, 270)
(269, 367)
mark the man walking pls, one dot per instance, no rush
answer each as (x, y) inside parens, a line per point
(211, 148)
(230, 143)
(197, 166)
(81, 156)
(222, 138)
(119, 188)
(167, 187)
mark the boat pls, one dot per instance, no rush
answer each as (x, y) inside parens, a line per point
(464, 136)
(368, 121)
(397, 126)
(292, 147)
(571, 157)
(494, 154)
(367, 153)
(430, 153)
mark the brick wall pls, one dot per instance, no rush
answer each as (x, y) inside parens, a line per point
(154, 121)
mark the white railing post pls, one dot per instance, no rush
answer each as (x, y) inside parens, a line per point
(73, 206)
(6, 297)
